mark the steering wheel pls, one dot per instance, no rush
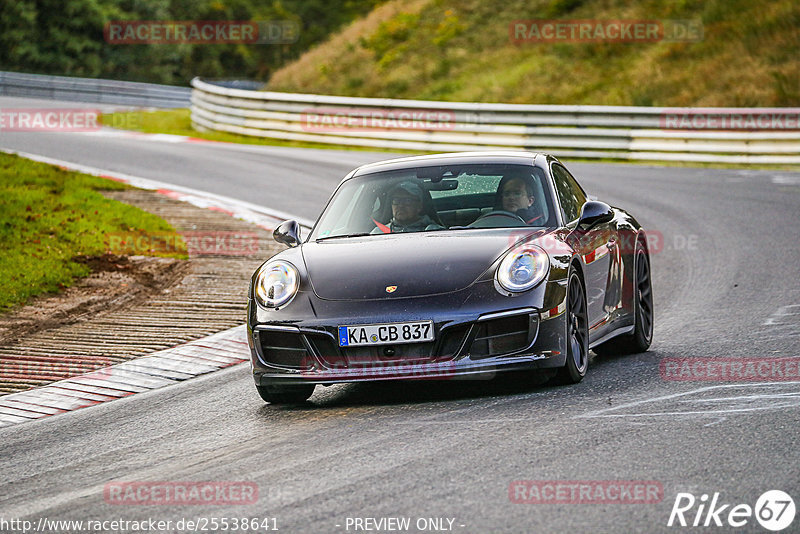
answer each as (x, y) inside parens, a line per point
(497, 213)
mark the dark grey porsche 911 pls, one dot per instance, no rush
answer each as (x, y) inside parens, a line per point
(449, 266)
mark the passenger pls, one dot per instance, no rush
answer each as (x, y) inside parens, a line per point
(407, 211)
(516, 196)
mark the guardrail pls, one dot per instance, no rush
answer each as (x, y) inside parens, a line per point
(754, 135)
(94, 90)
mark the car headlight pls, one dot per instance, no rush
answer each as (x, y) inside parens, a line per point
(522, 268)
(276, 284)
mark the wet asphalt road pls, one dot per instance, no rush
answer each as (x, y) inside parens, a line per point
(725, 283)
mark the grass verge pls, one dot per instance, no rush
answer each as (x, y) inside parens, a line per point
(52, 219)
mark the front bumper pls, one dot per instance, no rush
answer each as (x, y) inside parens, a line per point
(474, 338)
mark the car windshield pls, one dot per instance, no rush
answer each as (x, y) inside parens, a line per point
(440, 198)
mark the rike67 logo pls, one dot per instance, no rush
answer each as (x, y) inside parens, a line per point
(774, 510)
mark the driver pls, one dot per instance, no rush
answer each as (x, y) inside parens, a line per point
(515, 193)
(407, 216)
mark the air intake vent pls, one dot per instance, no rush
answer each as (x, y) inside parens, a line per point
(452, 340)
(501, 336)
(284, 349)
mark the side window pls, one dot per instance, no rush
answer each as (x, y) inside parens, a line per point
(569, 192)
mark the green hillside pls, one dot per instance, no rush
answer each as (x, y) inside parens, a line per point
(461, 50)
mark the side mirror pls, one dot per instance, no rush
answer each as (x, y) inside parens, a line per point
(595, 212)
(288, 233)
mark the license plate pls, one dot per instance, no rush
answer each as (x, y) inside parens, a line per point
(385, 334)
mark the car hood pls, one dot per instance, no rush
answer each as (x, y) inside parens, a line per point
(418, 264)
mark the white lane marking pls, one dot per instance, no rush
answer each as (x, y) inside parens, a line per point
(737, 404)
(162, 138)
(784, 311)
(698, 412)
(259, 215)
(782, 323)
(747, 397)
(718, 421)
(781, 179)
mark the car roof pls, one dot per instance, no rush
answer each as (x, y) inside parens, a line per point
(453, 158)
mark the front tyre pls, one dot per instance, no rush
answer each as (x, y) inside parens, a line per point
(577, 334)
(286, 394)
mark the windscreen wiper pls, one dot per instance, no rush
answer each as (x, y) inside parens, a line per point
(360, 234)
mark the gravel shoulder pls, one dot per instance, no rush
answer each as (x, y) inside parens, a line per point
(133, 305)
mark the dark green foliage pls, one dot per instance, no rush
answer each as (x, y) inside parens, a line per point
(66, 37)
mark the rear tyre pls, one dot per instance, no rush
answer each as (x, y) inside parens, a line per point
(577, 334)
(286, 394)
(641, 337)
